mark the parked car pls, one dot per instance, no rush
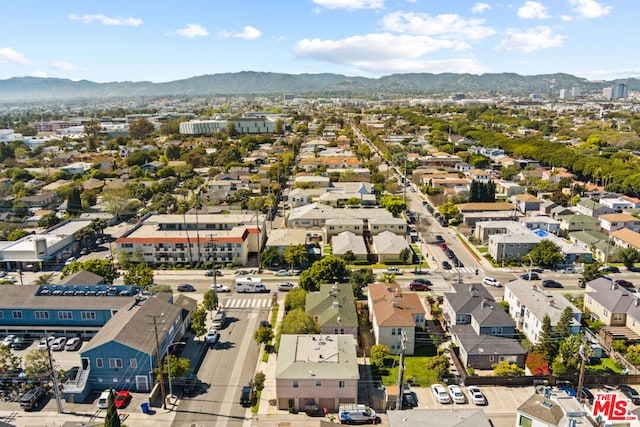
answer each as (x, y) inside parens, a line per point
(20, 343)
(46, 342)
(72, 373)
(456, 394)
(185, 287)
(610, 269)
(8, 340)
(422, 285)
(282, 273)
(246, 395)
(476, 396)
(69, 260)
(211, 273)
(314, 410)
(392, 270)
(568, 270)
(220, 288)
(550, 283)
(446, 265)
(212, 336)
(530, 276)
(624, 284)
(440, 393)
(285, 286)
(32, 398)
(265, 324)
(631, 393)
(587, 395)
(103, 399)
(444, 246)
(73, 344)
(490, 281)
(409, 399)
(439, 238)
(122, 399)
(58, 344)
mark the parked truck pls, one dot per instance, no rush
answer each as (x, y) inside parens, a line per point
(250, 285)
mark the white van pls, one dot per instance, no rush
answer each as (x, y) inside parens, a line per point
(219, 320)
(352, 413)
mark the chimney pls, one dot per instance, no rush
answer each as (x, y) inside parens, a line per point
(335, 303)
(552, 303)
(484, 303)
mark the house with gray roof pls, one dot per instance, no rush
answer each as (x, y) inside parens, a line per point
(387, 246)
(591, 207)
(439, 418)
(503, 247)
(556, 411)
(123, 355)
(347, 241)
(333, 308)
(83, 278)
(315, 215)
(528, 304)
(316, 369)
(481, 329)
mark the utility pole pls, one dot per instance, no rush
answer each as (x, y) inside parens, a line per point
(403, 347)
(215, 278)
(56, 387)
(160, 375)
(259, 239)
(404, 183)
(583, 357)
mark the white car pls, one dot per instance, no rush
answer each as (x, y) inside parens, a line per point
(220, 288)
(69, 260)
(46, 342)
(58, 344)
(73, 344)
(212, 337)
(476, 396)
(282, 273)
(490, 281)
(285, 286)
(8, 340)
(440, 393)
(456, 394)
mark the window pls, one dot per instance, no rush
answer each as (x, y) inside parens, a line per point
(16, 314)
(525, 422)
(88, 315)
(133, 363)
(99, 363)
(1, 314)
(295, 384)
(491, 358)
(65, 315)
(115, 362)
(340, 384)
(42, 315)
(318, 383)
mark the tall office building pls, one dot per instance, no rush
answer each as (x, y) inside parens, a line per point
(564, 94)
(616, 92)
(575, 92)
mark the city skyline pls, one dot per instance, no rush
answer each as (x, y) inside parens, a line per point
(169, 40)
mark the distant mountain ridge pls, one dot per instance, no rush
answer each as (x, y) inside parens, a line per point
(31, 89)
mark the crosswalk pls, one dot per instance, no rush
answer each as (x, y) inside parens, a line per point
(246, 303)
(464, 270)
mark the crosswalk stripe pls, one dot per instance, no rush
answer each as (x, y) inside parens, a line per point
(246, 303)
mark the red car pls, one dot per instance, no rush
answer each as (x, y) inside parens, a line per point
(443, 246)
(122, 399)
(419, 286)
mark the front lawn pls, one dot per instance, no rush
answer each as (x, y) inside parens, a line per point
(415, 372)
(606, 364)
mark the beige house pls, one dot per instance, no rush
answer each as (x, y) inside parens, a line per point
(316, 369)
(347, 241)
(392, 312)
(618, 221)
(626, 238)
(388, 246)
(395, 225)
(334, 226)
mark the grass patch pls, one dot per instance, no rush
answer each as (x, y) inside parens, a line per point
(469, 248)
(605, 363)
(415, 371)
(268, 348)
(483, 250)
(256, 405)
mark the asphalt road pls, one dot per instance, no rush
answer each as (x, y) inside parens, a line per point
(226, 368)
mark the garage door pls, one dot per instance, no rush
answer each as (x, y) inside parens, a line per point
(283, 404)
(346, 400)
(328, 402)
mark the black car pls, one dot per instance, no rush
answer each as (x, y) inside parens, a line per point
(610, 269)
(631, 393)
(409, 399)
(32, 398)
(549, 283)
(265, 324)
(72, 373)
(439, 238)
(246, 396)
(446, 265)
(211, 273)
(314, 410)
(587, 395)
(185, 287)
(530, 276)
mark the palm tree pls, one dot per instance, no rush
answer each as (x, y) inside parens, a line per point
(45, 279)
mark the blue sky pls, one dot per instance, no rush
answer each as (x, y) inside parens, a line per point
(164, 40)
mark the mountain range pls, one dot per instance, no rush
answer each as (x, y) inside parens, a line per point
(31, 89)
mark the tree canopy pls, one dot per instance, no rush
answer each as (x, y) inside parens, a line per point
(329, 269)
(546, 254)
(102, 267)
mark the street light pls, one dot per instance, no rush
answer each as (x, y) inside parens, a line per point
(169, 364)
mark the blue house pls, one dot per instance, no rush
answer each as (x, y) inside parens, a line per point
(123, 354)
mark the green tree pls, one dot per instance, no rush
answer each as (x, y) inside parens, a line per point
(506, 369)
(296, 298)
(279, 127)
(138, 275)
(49, 220)
(271, 257)
(19, 208)
(140, 128)
(546, 254)
(448, 210)
(568, 359)
(548, 345)
(393, 204)
(210, 300)
(439, 364)
(17, 234)
(378, 354)
(102, 267)
(160, 289)
(91, 132)
(45, 279)
(180, 367)
(111, 419)
(263, 335)
(258, 380)
(629, 256)
(296, 256)
(8, 360)
(563, 327)
(633, 354)
(74, 203)
(349, 256)
(298, 322)
(36, 364)
(591, 271)
(404, 255)
(198, 319)
(360, 279)
(327, 270)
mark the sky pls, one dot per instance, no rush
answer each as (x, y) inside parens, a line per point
(165, 40)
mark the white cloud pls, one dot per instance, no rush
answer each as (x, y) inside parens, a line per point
(247, 33)
(608, 74)
(351, 4)
(590, 8)
(480, 7)
(63, 66)
(537, 38)
(106, 20)
(192, 30)
(533, 10)
(566, 18)
(447, 25)
(39, 73)
(7, 54)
